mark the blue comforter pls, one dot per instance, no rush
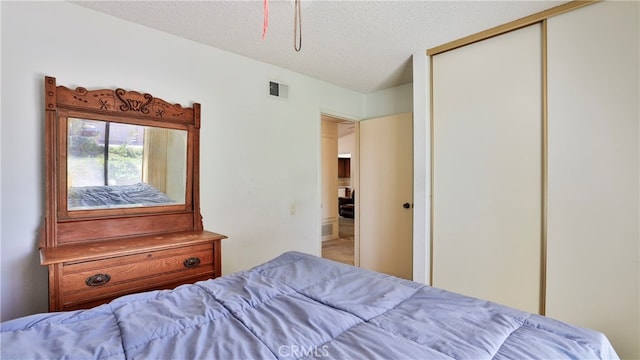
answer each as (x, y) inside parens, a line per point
(299, 306)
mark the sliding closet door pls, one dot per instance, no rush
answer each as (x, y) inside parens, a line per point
(487, 169)
(593, 226)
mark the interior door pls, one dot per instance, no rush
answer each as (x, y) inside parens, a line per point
(385, 197)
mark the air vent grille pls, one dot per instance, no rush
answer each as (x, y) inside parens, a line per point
(278, 90)
(327, 229)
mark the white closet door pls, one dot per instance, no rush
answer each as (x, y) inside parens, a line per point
(593, 211)
(487, 169)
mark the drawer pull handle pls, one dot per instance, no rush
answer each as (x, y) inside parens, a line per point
(191, 262)
(97, 279)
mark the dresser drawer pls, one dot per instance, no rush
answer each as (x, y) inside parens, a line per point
(108, 278)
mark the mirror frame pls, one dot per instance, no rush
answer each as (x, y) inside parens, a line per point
(64, 226)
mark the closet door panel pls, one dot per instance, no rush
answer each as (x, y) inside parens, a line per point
(593, 211)
(487, 169)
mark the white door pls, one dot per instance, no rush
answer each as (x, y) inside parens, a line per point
(487, 169)
(593, 254)
(384, 199)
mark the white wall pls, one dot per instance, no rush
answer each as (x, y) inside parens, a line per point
(396, 100)
(250, 178)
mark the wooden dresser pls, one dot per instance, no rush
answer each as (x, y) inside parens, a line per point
(122, 196)
(89, 274)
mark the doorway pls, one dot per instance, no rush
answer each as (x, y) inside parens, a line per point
(339, 173)
(382, 156)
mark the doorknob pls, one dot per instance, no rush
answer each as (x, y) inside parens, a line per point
(406, 205)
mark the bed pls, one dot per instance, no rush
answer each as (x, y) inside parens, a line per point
(299, 306)
(140, 194)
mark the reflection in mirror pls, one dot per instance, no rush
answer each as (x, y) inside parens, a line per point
(114, 165)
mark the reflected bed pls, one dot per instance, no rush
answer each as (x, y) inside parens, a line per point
(103, 197)
(300, 306)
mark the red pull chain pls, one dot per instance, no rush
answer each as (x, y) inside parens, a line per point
(265, 24)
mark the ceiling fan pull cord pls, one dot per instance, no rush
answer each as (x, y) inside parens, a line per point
(265, 23)
(297, 27)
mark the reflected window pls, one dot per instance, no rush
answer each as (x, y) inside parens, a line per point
(104, 153)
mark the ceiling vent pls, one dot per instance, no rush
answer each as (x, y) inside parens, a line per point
(278, 90)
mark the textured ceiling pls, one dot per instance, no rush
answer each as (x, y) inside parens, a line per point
(360, 45)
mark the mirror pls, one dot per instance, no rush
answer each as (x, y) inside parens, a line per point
(118, 165)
